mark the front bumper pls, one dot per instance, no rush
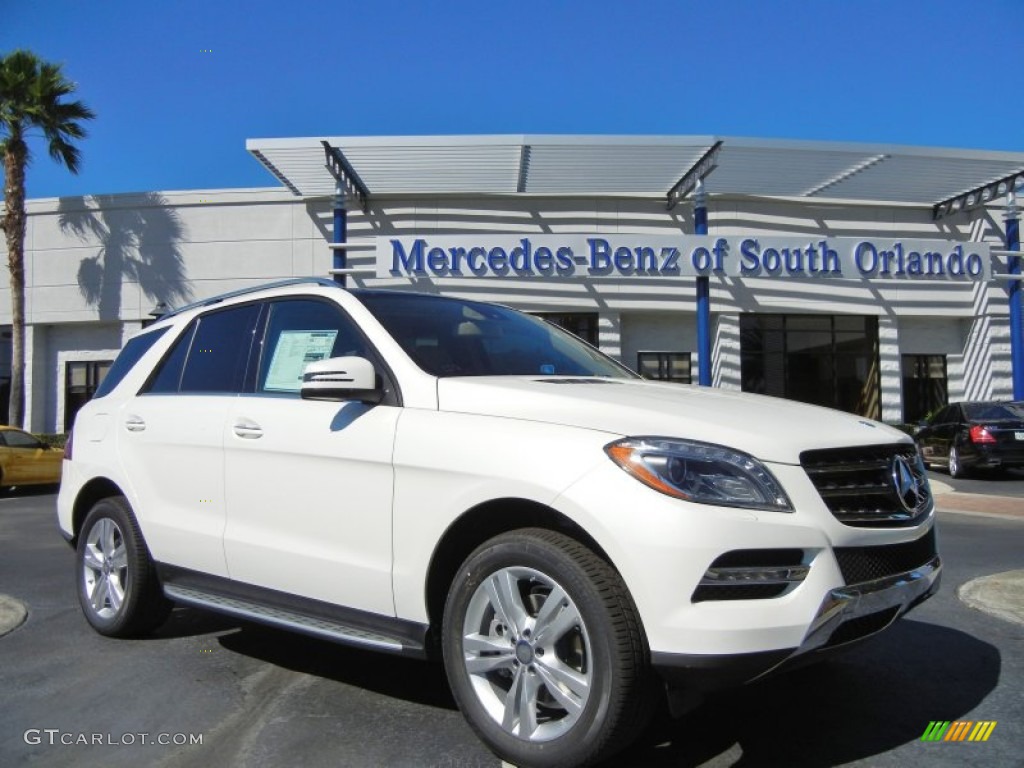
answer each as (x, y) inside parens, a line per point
(847, 614)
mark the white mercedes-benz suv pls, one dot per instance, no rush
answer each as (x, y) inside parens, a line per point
(439, 477)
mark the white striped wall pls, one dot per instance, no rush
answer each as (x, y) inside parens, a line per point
(96, 261)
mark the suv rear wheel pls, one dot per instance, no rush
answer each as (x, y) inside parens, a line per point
(117, 583)
(544, 652)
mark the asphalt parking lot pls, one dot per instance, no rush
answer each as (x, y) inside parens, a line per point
(259, 697)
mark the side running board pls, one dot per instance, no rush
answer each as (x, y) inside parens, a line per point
(327, 628)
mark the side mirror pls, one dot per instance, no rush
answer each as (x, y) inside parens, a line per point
(341, 378)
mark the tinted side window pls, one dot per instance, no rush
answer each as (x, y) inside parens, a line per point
(17, 439)
(220, 350)
(301, 331)
(168, 374)
(130, 355)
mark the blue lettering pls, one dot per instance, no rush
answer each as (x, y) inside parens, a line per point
(670, 261)
(410, 264)
(519, 257)
(542, 261)
(829, 259)
(866, 250)
(750, 255)
(646, 261)
(720, 249)
(914, 264)
(955, 265)
(933, 263)
(437, 261)
(884, 258)
(623, 260)
(812, 255)
(566, 264)
(771, 261)
(457, 254)
(600, 258)
(701, 259)
(472, 256)
(497, 261)
(975, 266)
(794, 259)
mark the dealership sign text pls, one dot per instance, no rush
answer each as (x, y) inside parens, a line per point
(681, 256)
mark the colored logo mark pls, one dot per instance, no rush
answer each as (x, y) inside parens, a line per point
(958, 730)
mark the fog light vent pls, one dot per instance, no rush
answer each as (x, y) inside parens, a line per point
(751, 574)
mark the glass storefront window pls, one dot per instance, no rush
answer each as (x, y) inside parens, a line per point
(925, 386)
(821, 359)
(664, 366)
(81, 380)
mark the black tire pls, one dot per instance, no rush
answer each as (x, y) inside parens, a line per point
(117, 583)
(956, 467)
(594, 633)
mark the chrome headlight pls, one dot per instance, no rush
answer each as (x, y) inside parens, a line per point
(701, 472)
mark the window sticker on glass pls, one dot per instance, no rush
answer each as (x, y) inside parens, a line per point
(294, 350)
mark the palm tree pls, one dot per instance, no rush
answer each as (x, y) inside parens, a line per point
(32, 97)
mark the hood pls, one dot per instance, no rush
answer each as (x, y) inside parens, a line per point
(768, 428)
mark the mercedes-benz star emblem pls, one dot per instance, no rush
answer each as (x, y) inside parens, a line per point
(908, 487)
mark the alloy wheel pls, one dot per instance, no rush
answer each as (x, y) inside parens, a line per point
(105, 568)
(527, 653)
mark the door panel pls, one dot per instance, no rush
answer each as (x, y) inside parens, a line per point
(309, 483)
(172, 452)
(173, 438)
(309, 490)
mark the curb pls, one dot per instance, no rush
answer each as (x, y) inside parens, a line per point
(12, 614)
(981, 505)
(1000, 595)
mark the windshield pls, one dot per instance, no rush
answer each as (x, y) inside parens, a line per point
(452, 337)
(994, 411)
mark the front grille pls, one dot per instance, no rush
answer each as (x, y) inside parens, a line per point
(872, 486)
(860, 564)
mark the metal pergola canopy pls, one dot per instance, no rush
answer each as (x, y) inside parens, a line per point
(947, 180)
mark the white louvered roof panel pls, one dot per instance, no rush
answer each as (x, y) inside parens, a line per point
(634, 165)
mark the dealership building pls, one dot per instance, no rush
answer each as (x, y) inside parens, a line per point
(877, 279)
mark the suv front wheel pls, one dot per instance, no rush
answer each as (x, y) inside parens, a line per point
(117, 583)
(544, 651)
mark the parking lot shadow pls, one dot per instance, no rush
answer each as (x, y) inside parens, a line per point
(398, 677)
(185, 621)
(877, 697)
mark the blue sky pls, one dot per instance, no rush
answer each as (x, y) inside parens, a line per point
(180, 85)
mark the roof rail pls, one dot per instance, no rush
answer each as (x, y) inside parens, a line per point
(322, 281)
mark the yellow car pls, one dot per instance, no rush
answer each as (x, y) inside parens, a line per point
(26, 460)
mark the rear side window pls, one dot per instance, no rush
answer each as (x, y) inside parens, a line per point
(211, 355)
(130, 355)
(16, 439)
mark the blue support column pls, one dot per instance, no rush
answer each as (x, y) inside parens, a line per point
(700, 227)
(1016, 311)
(340, 233)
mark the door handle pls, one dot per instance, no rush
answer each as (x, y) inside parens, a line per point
(134, 424)
(248, 430)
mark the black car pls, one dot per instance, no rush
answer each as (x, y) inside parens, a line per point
(982, 435)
